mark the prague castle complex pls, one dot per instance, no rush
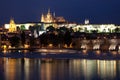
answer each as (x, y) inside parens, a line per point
(50, 19)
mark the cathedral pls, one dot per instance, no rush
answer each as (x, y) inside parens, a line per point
(51, 18)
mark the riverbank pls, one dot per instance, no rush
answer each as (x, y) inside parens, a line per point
(64, 55)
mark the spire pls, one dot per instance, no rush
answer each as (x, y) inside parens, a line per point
(42, 17)
(49, 10)
(12, 21)
(54, 14)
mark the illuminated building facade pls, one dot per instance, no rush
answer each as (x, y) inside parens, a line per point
(49, 18)
(98, 28)
(12, 26)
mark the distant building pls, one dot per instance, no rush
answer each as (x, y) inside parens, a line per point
(57, 22)
(99, 28)
(12, 26)
(87, 21)
(51, 18)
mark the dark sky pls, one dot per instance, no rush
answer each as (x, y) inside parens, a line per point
(97, 11)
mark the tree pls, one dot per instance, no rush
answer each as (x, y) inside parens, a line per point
(117, 30)
(22, 27)
(71, 30)
(18, 28)
(23, 38)
(32, 41)
(50, 29)
(44, 39)
(15, 41)
(63, 29)
(67, 38)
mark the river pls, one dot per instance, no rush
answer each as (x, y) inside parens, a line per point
(58, 69)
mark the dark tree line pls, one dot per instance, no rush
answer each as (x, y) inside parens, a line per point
(59, 36)
(56, 37)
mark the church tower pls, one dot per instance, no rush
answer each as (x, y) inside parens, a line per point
(42, 18)
(12, 27)
(49, 17)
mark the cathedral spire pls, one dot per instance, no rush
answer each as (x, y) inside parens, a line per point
(49, 10)
(54, 14)
(42, 17)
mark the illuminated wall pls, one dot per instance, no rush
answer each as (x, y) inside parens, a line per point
(92, 27)
(27, 25)
(89, 28)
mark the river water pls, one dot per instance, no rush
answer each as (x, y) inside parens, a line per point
(58, 69)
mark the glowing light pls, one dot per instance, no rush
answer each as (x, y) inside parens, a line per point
(26, 46)
(99, 28)
(4, 47)
(4, 51)
(86, 21)
(112, 47)
(114, 52)
(41, 32)
(71, 46)
(9, 46)
(96, 46)
(65, 45)
(98, 52)
(6, 26)
(84, 51)
(50, 45)
(12, 26)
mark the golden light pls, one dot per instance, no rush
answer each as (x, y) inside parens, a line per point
(98, 52)
(65, 45)
(4, 47)
(114, 53)
(84, 51)
(4, 51)
(50, 45)
(9, 46)
(71, 45)
(26, 46)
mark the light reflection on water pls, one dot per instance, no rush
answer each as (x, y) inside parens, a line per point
(59, 69)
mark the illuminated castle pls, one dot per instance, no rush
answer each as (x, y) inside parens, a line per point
(49, 18)
(12, 26)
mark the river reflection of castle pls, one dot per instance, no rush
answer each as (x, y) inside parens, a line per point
(62, 69)
(105, 70)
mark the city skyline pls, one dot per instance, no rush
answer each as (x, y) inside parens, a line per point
(97, 12)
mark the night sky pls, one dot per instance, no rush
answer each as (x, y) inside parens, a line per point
(97, 11)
